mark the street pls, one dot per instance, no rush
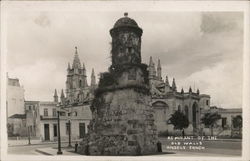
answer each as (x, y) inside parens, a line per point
(226, 148)
(31, 149)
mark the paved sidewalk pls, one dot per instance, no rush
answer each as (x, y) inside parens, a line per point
(53, 151)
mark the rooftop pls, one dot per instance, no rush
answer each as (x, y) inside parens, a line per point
(18, 116)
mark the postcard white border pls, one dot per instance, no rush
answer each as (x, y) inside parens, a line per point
(171, 6)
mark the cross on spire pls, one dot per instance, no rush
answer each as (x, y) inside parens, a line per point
(126, 14)
(76, 61)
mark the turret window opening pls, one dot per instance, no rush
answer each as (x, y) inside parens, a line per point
(129, 49)
(80, 83)
(179, 108)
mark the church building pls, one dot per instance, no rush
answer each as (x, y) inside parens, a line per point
(74, 107)
(166, 99)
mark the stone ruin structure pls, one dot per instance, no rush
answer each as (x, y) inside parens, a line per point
(122, 118)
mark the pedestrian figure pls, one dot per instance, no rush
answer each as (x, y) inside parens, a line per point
(138, 148)
(76, 145)
(183, 133)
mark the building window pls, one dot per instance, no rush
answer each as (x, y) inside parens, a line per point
(54, 112)
(29, 107)
(82, 130)
(186, 111)
(62, 114)
(207, 102)
(75, 113)
(55, 130)
(45, 112)
(224, 122)
(67, 128)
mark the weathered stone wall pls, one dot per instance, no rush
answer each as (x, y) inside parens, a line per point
(123, 125)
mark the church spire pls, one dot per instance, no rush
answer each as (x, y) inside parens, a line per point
(83, 69)
(151, 68)
(55, 96)
(173, 85)
(76, 61)
(62, 94)
(62, 97)
(151, 61)
(154, 71)
(190, 89)
(159, 70)
(68, 67)
(166, 81)
(198, 91)
(182, 91)
(93, 81)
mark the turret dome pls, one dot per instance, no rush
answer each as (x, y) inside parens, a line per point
(125, 21)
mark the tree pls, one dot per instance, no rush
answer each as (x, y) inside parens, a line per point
(179, 120)
(10, 129)
(237, 123)
(210, 119)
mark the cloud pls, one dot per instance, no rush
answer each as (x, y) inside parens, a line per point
(225, 90)
(221, 22)
(42, 20)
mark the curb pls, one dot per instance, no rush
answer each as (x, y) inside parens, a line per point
(42, 152)
(31, 144)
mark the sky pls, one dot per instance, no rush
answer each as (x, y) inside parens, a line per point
(199, 49)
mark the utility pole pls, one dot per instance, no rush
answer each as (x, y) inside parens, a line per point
(29, 134)
(69, 134)
(59, 152)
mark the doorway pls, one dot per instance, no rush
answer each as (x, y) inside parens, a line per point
(81, 130)
(46, 132)
(194, 113)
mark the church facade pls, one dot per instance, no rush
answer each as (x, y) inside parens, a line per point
(166, 99)
(74, 107)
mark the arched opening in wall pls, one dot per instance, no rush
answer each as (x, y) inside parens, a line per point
(186, 111)
(161, 110)
(179, 108)
(194, 114)
(78, 97)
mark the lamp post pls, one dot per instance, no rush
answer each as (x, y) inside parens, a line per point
(29, 134)
(69, 134)
(59, 152)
